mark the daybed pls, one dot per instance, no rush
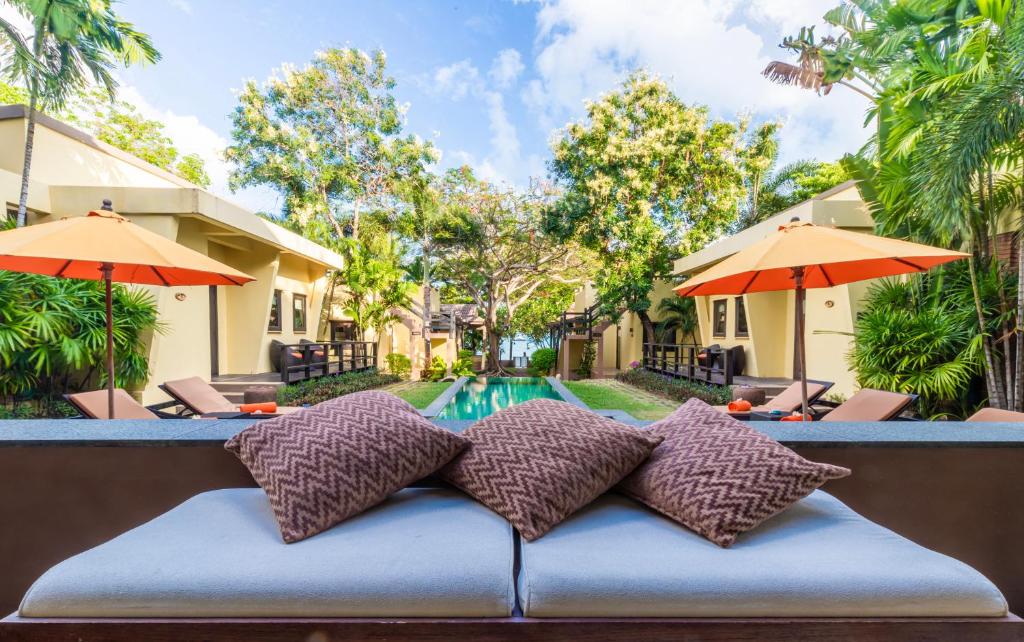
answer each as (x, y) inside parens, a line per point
(430, 563)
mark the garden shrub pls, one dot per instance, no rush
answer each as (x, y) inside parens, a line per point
(463, 366)
(437, 370)
(542, 361)
(678, 389)
(313, 391)
(399, 364)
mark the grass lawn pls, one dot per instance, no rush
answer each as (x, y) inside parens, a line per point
(418, 393)
(608, 394)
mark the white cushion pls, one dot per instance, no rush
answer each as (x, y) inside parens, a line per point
(422, 553)
(616, 558)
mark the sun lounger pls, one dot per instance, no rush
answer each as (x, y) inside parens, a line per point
(94, 406)
(868, 404)
(997, 415)
(787, 401)
(200, 398)
(432, 563)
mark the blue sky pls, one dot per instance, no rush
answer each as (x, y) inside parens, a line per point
(489, 82)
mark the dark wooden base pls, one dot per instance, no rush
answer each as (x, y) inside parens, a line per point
(521, 629)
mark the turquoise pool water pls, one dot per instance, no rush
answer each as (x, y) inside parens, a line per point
(484, 396)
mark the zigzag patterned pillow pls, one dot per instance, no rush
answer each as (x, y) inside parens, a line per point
(538, 462)
(720, 477)
(322, 465)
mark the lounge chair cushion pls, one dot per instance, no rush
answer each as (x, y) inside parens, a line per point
(198, 395)
(616, 558)
(327, 463)
(870, 405)
(997, 415)
(538, 462)
(719, 476)
(95, 406)
(422, 553)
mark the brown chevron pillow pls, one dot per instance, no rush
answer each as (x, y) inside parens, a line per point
(324, 464)
(720, 477)
(538, 462)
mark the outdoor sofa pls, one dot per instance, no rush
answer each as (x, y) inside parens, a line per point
(431, 563)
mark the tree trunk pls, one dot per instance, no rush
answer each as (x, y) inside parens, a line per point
(648, 326)
(425, 318)
(30, 134)
(996, 398)
(494, 352)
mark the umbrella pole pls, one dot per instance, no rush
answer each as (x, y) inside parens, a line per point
(801, 293)
(108, 273)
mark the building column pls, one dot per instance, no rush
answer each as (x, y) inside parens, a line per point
(565, 359)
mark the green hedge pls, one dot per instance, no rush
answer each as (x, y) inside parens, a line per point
(313, 391)
(678, 389)
(542, 361)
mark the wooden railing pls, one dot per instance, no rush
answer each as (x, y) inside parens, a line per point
(680, 360)
(299, 361)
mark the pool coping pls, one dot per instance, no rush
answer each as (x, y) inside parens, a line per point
(442, 399)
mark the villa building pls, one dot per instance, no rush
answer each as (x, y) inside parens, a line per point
(208, 331)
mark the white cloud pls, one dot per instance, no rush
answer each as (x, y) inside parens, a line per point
(710, 52)
(506, 68)
(503, 162)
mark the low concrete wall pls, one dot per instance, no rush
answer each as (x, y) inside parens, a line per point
(67, 486)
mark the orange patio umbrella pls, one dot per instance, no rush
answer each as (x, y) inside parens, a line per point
(106, 246)
(802, 255)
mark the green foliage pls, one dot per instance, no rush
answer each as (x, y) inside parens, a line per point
(120, 124)
(587, 357)
(497, 251)
(542, 361)
(463, 366)
(677, 389)
(70, 42)
(679, 314)
(373, 281)
(436, 371)
(399, 364)
(53, 336)
(327, 137)
(919, 336)
(313, 391)
(645, 178)
(12, 95)
(533, 318)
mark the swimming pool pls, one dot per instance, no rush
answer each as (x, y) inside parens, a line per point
(484, 396)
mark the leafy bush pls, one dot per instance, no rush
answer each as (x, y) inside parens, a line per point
(399, 364)
(313, 391)
(53, 338)
(542, 361)
(463, 366)
(437, 370)
(678, 389)
(919, 336)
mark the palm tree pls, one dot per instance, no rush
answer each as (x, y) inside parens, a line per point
(678, 314)
(70, 41)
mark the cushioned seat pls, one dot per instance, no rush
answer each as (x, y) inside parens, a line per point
(616, 558)
(422, 553)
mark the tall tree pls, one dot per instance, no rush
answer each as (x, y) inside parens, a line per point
(499, 252)
(373, 281)
(327, 137)
(71, 41)
(645, 178)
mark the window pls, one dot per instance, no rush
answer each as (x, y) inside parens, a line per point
(274, 325)
(718, 317)
(299, 312)
(741, 318)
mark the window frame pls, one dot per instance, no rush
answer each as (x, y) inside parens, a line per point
(275, 299)
(741, 314)
(296, 298)
(714, 318)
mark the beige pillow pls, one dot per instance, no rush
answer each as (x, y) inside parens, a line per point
(720, 477)
(538, 462)
(322, 465)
